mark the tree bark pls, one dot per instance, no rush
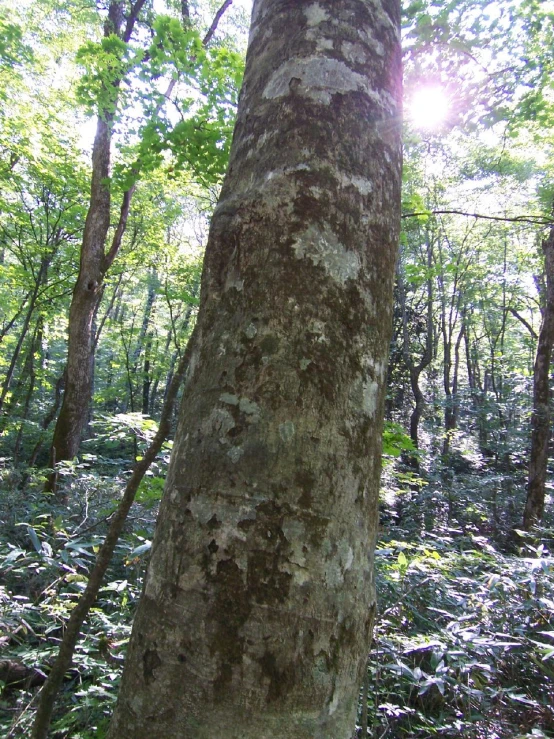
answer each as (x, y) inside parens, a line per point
(540, 420)
(259, 602)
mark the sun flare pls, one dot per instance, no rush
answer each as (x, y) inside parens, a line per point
(428, 108)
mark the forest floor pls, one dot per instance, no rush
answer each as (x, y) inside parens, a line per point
(463, 647)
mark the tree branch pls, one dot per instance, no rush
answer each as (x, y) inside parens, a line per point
(522, 320)
(536, 220)
(213, 28)
(131, 20)
(120, 230)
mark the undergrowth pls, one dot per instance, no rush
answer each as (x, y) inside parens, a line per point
(463, 647)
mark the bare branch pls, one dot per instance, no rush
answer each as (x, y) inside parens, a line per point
(120, 230)
(535, 220)
(522, 320)
(213, 28)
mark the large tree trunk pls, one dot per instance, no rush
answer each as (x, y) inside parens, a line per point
(259, 601)
(540, 420)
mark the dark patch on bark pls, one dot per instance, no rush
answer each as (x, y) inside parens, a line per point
(229, 613)
(266, 583)
(270, 344)
(214, 523)
(280, 681)
(212, 547)
(150, 662)
(306, 481)
(316, 528)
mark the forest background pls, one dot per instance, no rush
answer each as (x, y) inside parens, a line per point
(464, 644)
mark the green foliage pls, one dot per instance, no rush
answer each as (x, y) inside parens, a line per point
(45, 555)
(463, 644)
(105, 64)
(396, 440)
(13, 50)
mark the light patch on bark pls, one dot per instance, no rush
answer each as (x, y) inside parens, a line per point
(362, 185)
(355, 53)
(337, 565)
(263, 139)
(334, 704)
(305, 363)
(250, 331)
(322, 247)
(320, 79)
(287, 431)
(324, 44)
(235, 453)
(300, 574)
(318, 327)
(229, 399)
(372, 41)
(237, 284)
(278, 173)
(219, 421)
(249, 407)
(315, 15)
(370, 396)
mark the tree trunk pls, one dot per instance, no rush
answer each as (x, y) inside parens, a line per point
(94, 263)
(540, 420)
(415, 370)
(40, 280)
(30, 370)
(84, 304)
(259, 601)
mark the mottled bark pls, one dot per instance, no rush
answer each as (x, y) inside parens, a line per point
(259, 601)
(540, 420)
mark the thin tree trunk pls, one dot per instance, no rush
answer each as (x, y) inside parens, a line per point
(415, 370)
(95, 261)
(23, 333)
(259, 601)
(79, 612)
(7, 326)
(48, 418)
(154, 391)
(540, 420)
(84, 304)
(93, 266)
(35, 345)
